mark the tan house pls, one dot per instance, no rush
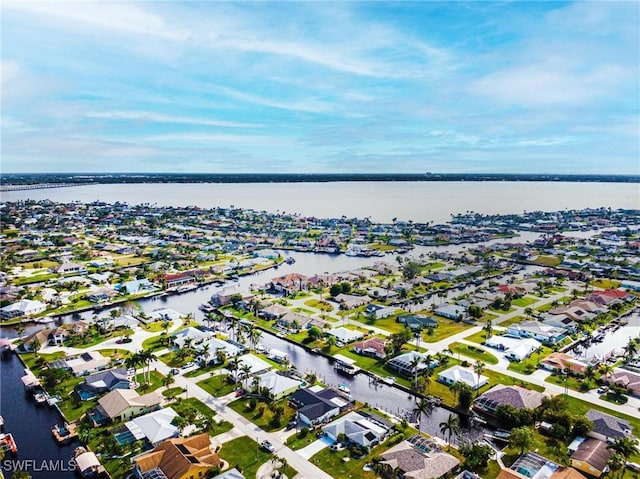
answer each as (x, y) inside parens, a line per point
(559, 362)
(188, 458)
(122, 404)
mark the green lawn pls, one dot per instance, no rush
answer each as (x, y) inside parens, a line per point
(479, 337)
(389, 324)
(155, 343)
(322, 306)
(499, 378)
(155, 327)
(573, 383)
(524, 301)
(202, 370)
(193, 407)
(301, 439)
(548, 260)
(245, 454)
(543, 445)
(173, 360)
(217, 385)
(445, 328)
(155, 378)
(96, 339)
(262, 415)
(473, 353)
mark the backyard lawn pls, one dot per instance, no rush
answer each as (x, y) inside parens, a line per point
(155, 381)
(301, 439)
(187, 407)
(530, 364)
(524, 301)
(445, 328)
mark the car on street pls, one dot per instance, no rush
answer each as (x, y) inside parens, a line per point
(267, 446)
(174, 371)
(123, 340)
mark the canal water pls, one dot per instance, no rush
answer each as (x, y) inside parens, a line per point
(614, 341)
(30, 425)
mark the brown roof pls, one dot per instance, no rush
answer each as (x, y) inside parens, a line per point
(515, 396)
(593, 452)
(567, 473)
(174, 457)
(509, 474)
(373, 343)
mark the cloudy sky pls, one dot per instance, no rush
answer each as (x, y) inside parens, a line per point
(321, 87)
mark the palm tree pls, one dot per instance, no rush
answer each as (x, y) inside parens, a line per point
(254, 336)
(478, 368)
(35, 345)
(234, 366)
(415, 362)
(631, 349)
(246, 372)
(146, 358)
(132, 361)
(330, 342)
(85, 432)
(450, 426)
(589, 372)
(221, 356)
(605, 369)
(625, 446)
(168, 380)
(488, 329)
(616, 463)
(422, 407)
(204, 352)
(20, 330)
(426, 377)
(455, 389)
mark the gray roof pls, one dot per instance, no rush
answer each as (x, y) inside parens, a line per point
(607, 425)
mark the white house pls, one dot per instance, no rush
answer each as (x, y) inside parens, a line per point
(458, 374)
(155, 426)
(542, 332)
(277, 384)
(344, 335)
(25, 307)
(215, 344)
(359, 429)
(514, 349)
(451, 311)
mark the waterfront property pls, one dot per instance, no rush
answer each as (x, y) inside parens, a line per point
(561, 362)
(83, 364)
(404, 363)
(278, 384)
(360, 429)
(25, 307)
(122, 404)
(459, 374)
(514, 349)
(153, 427)
(104, 381)
(316, 405)
(514, 396)
(372, 347)
(542, 332)
(607, 427)
(344, 335)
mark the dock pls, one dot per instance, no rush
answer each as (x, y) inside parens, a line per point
(7, 443)
(65, 433)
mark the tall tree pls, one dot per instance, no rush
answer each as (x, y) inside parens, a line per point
(450, 426)
(422, 407)
(478, 368)
(521, 438)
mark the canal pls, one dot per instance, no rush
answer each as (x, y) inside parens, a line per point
(30, 425)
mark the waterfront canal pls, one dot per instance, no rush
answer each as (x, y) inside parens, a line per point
(30, 426)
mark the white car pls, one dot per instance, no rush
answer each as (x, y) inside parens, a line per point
(268, 446)
(338, 446)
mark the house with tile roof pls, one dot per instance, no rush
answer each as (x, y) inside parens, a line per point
(514, 396)
(372, 347)
(178, 459)
(122, 404)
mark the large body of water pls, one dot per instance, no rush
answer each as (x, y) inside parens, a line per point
(380, 201)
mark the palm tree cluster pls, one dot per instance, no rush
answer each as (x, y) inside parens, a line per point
(142, 358)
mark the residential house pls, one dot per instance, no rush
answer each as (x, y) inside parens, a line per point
(344, 335)
(83, 364)
(403, 363)
(190, 335)
(154, 427)
(215, 345)
(451, 311)
(273, 311)
(121, 404)
(25, 307)
(377, 311)
(372, 347)
(316, 405)
(591, 457)
(101, 295)
(364, 430)
(350, 301)
(291, 322)
(230, 474)
(607, 427)
(136, 286)
(104, 381)
(188, 458)
(289, 283)
(459, 374)
(224, 296)
(178, 279)
(533, 466)
(514, 396)
(69, 268)
(418, 321)
(609, 297)
(561, 362)
(278, 384)
(514, 349)
(381, 293)
(124, 321)
(542, 332)
(574, 312)
(419, 458)
(256, 365)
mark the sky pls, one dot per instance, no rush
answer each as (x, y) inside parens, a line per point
(321, 87)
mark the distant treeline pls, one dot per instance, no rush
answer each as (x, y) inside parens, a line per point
(110, 178)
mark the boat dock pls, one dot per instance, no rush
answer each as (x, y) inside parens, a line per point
(7, 443)
(65, 433)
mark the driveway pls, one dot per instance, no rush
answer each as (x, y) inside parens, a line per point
(315, 447)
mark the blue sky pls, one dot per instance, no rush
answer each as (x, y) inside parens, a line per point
(516, 87)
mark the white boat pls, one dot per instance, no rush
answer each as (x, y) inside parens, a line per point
(390, 380)
(344, 387)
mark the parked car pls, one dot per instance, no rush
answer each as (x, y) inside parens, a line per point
(292, 424)
(188, 365)
(240, 392)
(123, 340)
(603, 389)
(174, 371)
(634, 466)
(268, 446)
(338, 446)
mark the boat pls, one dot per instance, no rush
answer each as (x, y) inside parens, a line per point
(344, 387)
(1, 423)
(65, 433)
(40, 398)
(390, 380)
(290, 260)
(45, 320)
(7, 443)
(206, 307)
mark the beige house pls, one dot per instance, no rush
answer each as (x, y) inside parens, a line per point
(122, 404)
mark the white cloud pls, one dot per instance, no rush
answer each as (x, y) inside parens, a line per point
(162, 118)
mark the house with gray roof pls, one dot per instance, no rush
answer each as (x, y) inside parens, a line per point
(419, 458)
(514, 396)
(360, 429)
(451, 311)
(607, 427)
(104, 381)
